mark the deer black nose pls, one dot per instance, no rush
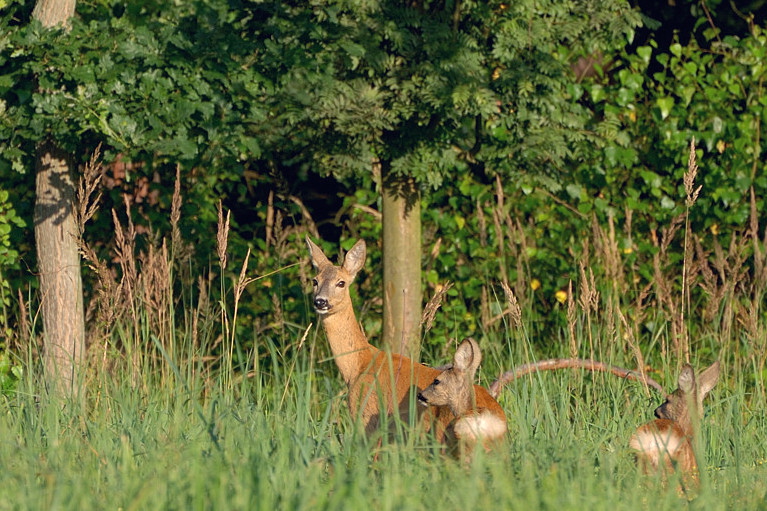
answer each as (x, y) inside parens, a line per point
(320, 303)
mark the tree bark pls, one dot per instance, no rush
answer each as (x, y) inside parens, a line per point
(401, 264)
(60, 275)
(54, 12)
(58, 259)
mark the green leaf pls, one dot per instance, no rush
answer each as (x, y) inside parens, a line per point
(574, 191)
(667, 203)
(645, 53)
(665, 105)
(597, 93)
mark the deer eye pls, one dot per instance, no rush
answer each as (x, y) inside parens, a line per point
(436, 382)
(315, 283)
(341, 283)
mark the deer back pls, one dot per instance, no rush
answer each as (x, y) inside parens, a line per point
(662, 444)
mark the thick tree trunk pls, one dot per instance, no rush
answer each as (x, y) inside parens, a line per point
(401, 265)
(60, 277)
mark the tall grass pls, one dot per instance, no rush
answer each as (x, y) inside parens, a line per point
(180, 415)
(287, 442)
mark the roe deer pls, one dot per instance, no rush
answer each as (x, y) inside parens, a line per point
(474, 423)
(667, 443)
(374, 378)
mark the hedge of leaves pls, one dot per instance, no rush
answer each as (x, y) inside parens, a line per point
(217, 88)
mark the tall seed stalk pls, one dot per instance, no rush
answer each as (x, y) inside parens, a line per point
(692, 196)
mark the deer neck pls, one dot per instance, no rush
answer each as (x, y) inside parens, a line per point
(464, 401)
(350, 347)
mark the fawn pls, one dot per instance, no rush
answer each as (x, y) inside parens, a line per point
(375, 378)
(667, 443)
(474, 423)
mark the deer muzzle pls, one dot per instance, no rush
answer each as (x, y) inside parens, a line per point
(321, 305)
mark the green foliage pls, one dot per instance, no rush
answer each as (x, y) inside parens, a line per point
(9, 260)
(625, 197)
(146, 84)
(10, 374)
(521, 162)
(434, 91)
(155, 88)
(662, 100)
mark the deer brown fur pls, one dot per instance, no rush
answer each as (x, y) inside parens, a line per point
(667, 443)
(474, 423)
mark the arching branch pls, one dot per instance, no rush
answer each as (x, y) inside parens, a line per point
(574, 363)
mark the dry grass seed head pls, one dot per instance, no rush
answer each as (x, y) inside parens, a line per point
(222, 235)
(589, 296)
(571, 320)
(203, 305)
(689, 177)
(482, 223)
(430, 311)
(89, 182)
(607, 246)
(630, 338)
(243, 280)
(125, 244)
(709, 283)
(514, 310)
(175, 211)
(155, 282)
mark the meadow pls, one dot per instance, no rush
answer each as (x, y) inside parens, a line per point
(166, 431)
(185, 409)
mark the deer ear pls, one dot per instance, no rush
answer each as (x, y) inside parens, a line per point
(467, 357)
(707, 379)
(319, 259)
(355, 258)
(686, 380)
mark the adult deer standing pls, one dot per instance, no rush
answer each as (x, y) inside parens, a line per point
(667, 443)
(380, 384)
(454, 387)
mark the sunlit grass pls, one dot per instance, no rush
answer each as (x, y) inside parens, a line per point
(283, 439)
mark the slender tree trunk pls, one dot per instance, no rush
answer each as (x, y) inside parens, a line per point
(58, 258)
(54, 12)
(401, 264)
(60, 276)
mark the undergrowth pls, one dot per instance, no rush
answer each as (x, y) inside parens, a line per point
(284, 440)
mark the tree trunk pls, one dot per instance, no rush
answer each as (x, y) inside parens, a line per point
(58, 259)
(60, 277)
(401, 264)
(54, 12)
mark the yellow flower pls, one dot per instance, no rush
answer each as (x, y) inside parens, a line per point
(714, 229)
(535, 284)
(561, 296)
(628, 250)
(720, 146)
